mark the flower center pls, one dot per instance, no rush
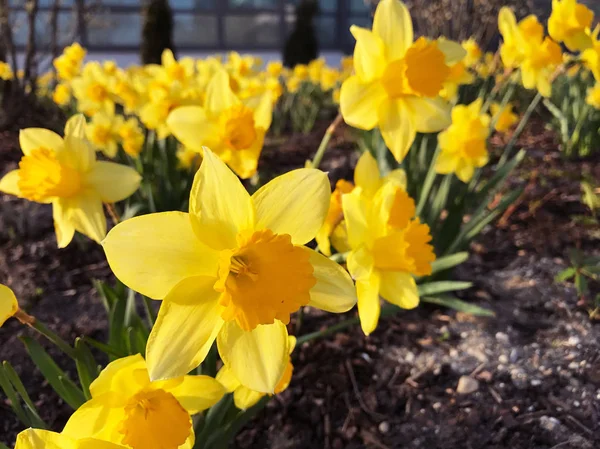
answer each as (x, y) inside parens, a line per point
(238, 127)
(155, 420)
(265, 279)
(101, 134)
(421, 72)
(176, 72)
(42, 176)
(97, 92)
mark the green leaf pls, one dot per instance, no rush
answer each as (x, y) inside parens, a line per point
(30, 409)
(457, 304)
(581, 284)
(56, 377)
(564, 275)
(434, 288)
(87, 368)
(108, 350)
(11, 394)
(447, 262)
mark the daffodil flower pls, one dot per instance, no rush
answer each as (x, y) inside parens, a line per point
(505, 117)
(8, 304)
(244, 397)
(570, 23)
(65, 173)
(92, 90)
(232, 269)
(464, 144)
(397, 82)
(233, 129)
(389, 247)
(127, 408)
(45, 439)
(593, 96)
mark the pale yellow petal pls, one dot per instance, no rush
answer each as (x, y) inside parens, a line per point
(98, 418)
(369, 54)
(366, 174)
(219, 96)
(220, 206)
(190, 125)
(257, 358)
(86, 214)
(196, 393)
(44, 439)
(295, 203)
(369, 305)
(10, 183)
(93, 443)
(244, 398)
(359, 102)
(113, 182)
(8, 304)
(124, 376)
(397, 124)
(400, 289)
(453, 51)
(354, 207)
(76, 126)
(35, 138)
(78, 153)
(430, 114)
(227, 379)
(153, 253)
(393, 24)
(334, 290)
(63, 227)
(263, 114)
(360, 263)
(187, 325)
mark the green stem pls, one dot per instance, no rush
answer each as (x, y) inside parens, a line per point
(428, 183)
(53, 337)
(325, 332)
(574, 139)
(151, 315)
(326, 138)
(513, 140)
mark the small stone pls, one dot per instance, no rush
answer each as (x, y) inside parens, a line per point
(573, 341)
(536, 382)
(549, 423)
(519, 378)
(576, 404)
(467, 385)
(515, 355)
(437, 406)
(503, 359)
(410, 357)
(384, 427)
(502, 338)
(573, 365)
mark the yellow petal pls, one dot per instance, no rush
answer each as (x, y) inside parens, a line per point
(8, 304)
(125, 376)
(400, 289)
(34, 138)
(359, 102)
(78, 153)
(220, 206)
(245, 162)
(10, 183)
(431, 114)
(196, 393)
(295, 203)
(98, 418)
(397, 124)
(366, 174)
(334, 290)
(369, 306)
(187, 325)
(227, 379)
(393, 24)
(397, 177)
(93, 443)
(360, 263)
(76, 126)
(219, 95)
(263, 113)
(44, 439)
(453, 51)
(153, 253)
(63, 227)
(354, 207)
(257, 358)
(244, 398)
(369, 54)
(113, 182)
(191, 127)
(86, 214)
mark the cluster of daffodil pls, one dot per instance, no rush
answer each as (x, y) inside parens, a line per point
(231, 268)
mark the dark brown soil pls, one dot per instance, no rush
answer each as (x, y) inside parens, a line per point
(536, 363)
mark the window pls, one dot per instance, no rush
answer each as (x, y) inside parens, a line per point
(115, 29)
(252, 30)
(257, 4)
(195, 30)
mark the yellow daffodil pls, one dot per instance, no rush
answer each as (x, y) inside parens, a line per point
(591, 56)
(92, 90)
(593, 96)
(102, 133)
(487, 66)
(6, 72)
(62, 94)
(188, 158)
(8, 304)
(175, 71)
(474, 52)
(335, 215)
(233, 269)
(293, 84)
(234, 130)
(132, 136)
(301, 72)
(570, 23)
(335, 96)
(127, 408)
(459, 76)
(68, 65)
(244, 397)
(45, 439)
(65, 173)
(464, 144)
(389, 246)
(275, 68)
(397, 82)
(505, 117)
(526, 48)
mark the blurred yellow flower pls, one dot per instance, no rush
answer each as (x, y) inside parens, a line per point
(188, 158)
(473, 50)
(68, 65)
(244, 397)
(102, 133)
(459, 76)
(132, 136)
(65, 173)
(464, 144)
(591, 57)
(593, 96)
(127, 408)
(389, 246)
(92, 91)
(8, 304)
(6, 72)
(62, 94)
(234, 130)
(224, 271)
(335, 215)
(45, 439)
(397, 81)
(505, 118)
(570, 23)
(274, 68)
